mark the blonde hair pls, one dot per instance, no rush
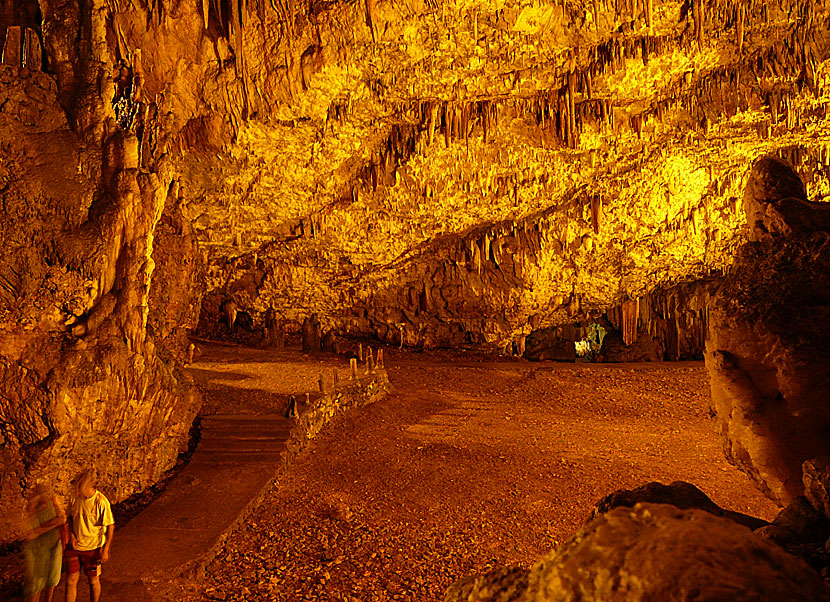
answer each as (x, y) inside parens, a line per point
(87, 474)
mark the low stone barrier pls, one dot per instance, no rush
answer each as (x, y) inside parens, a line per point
(354, 393)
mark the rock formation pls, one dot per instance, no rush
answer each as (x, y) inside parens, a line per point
(90, 350)
(679, 494)
(654, 552)
(767, 356)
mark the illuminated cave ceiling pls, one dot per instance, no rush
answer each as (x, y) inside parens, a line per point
(491, 167)
(467, 172)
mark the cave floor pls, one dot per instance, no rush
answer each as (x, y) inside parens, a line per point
(468, 465)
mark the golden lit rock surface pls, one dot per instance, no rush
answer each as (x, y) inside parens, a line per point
(767, 353)
(659, 552)
(459, 174)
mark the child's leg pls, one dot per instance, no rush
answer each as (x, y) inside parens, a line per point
(94, 588)
(73, 573)
(72, 586)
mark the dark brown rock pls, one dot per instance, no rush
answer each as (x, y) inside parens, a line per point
(311, 334)
(805, 522)
(816, 479)
(645, 349)
(329, 342)
(768, 357)
(679, 494)
(501, 585)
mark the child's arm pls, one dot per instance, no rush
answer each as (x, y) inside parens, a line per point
(60, 518)
(105, 553)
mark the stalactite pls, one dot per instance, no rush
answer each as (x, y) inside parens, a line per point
(698, 17)
(596, 211)
(630, 316)
(571, 112)
(433, 118)
(447, 125)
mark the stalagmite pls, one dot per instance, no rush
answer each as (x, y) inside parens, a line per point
(12, 46)
(380, 359)
(32, 50)
(630, 316)
(353, 369)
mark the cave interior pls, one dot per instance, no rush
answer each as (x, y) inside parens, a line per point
(530, 183)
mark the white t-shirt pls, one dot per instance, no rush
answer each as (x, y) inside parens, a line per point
(90, 519)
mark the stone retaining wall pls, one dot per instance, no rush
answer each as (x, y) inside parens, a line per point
(366, 389)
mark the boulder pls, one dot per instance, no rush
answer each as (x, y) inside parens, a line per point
(769, 323)
(660, 552)
(805, 522)
(816, 480)
(679, 494)
(501, 585)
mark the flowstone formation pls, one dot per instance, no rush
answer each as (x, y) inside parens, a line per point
(85, 383)
(767, 355)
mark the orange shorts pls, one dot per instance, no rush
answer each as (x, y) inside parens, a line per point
(89, 561)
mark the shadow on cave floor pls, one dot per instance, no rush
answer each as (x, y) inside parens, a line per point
(249, 381)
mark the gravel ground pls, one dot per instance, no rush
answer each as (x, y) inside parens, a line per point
(467, 465)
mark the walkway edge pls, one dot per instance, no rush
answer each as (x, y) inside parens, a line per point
(364, 391)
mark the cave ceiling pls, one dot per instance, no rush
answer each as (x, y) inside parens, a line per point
(403, 168)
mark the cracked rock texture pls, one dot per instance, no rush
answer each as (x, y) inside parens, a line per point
(659, 552)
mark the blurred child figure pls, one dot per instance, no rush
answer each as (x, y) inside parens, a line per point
(91, 527)
(43, 549)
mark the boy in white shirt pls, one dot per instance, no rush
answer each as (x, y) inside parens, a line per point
(90, 536)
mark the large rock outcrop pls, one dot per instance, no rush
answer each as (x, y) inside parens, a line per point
(85, 384)
(768, 356)
(654, 552)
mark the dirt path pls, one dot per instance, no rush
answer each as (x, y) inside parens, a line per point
(467, 466)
